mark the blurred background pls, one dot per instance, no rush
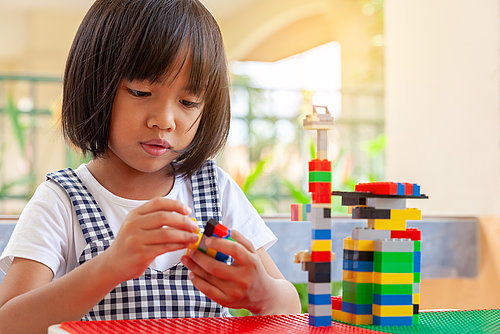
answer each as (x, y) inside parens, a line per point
(413, 86)
(284, 56)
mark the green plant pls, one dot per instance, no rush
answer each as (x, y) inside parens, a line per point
(14, 117)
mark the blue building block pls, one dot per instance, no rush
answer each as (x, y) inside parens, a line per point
(320, 299)
(359, 309)
(320, 321)
(392, 321)
(321, 234)
(416, 190)
(401, 189)
(392, 299)
(362, 266)
(417, 258)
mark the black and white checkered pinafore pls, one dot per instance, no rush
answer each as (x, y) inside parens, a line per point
(155, 294)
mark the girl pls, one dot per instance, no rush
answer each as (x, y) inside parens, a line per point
(146, 94)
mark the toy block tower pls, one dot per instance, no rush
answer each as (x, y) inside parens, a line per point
(381, 262)
(317, 261)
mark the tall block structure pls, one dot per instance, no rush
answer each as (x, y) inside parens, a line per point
(317, 260)
(381, 262)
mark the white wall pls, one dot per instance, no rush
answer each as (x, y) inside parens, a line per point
(442, 102)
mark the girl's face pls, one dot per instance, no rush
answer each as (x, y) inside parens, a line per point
(149, 122)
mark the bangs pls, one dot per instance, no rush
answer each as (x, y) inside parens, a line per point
(166, 37)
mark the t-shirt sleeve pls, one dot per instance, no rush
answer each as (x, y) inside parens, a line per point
(42, 231)
(239, 214)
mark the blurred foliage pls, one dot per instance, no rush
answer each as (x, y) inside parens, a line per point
(7, 186)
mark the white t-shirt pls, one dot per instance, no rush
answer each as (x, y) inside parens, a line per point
(48, 230)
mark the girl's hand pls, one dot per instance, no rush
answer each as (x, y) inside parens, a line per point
(158, 226)
(247, 283)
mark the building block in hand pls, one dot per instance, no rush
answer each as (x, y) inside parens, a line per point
(212, 229)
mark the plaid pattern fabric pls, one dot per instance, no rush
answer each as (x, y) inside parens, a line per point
(155, 294)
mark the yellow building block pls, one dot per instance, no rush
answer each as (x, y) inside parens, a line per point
(387, 224)
(365, 319)
(340, 315)
(406, 214)
(364, 245)
(416, 298)
(393, 310)
(321, 245)
(357, 276)
(358, 245)
(349, 243)
(392, 278)
(211, 252)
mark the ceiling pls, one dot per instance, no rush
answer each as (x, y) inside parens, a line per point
(219, 8)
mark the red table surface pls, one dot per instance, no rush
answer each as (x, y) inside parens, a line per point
(294, 323)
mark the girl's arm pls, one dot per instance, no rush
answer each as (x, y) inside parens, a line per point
(30, 302)
(252, 282)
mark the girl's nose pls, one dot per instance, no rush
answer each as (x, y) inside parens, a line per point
(162, 119)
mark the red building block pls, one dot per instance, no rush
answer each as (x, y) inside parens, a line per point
(295, 212)
(408, 189)
(321, 256)
(321, 199)
(323, 188)
(221, 231)
(378, 188)
(411, 233)
(337, 303)
(324, 165)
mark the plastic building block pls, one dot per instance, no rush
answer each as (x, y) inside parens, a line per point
(364, 233)
(320, 310)
(387, 224)
(358, 255)
(370, 213)
(393, 245)
(322, 234)
(393, 278)
(392, 299)
(317, 120)
(378, 188)
(336, 302)
(392, 321)
(393, 289)
(320, 165)
(319, 288)
(411, 233)
(294, 208)
(392, 310)
(386, 203)
(320, 321)
(360, 309)
(324, 256)
(212, 228)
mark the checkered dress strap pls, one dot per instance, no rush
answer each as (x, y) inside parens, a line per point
(92, 221)
(153, 295)
(205, 193)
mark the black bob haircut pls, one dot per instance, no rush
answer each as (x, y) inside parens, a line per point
(144, 40)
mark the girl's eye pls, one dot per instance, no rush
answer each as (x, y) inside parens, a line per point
(190, 104)
(138, 93)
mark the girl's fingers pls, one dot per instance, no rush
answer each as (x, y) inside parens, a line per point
(208, 289)
(240, 252)
(159, 219)
(163, 204)
(208, 265)
(237, 236)
(159, 249)
(169, 235)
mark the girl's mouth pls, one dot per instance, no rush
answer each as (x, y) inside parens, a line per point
(156, 147)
